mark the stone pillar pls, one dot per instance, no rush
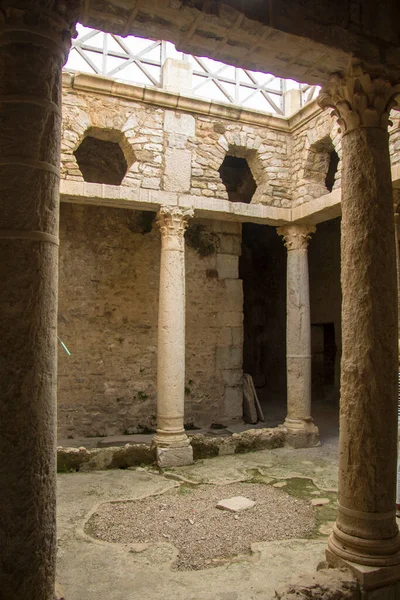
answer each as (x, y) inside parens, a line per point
(365, 536)
(34, 43)
(299, 424)
(291, 102)
(177, 76)
(396, 206)
(172, 444)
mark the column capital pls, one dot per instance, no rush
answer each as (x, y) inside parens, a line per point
(360, 99)
(173, 220)
(50, 24)
(296, 237)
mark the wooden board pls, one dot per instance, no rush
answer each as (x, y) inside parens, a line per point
(249, 402)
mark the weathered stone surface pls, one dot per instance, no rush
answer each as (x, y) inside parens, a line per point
(174, 457)
(259, 439)
(328, 584)
(227, 266)
(320, 501)
(177, 170)
(235, 504)
(34, 42)
(81, 459)
(180, 123)
(203, 446)
(108, 282)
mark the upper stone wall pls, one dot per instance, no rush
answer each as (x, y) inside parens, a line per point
(181, 151)
(174, 151)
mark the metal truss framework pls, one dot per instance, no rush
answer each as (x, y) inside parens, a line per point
(140, 61)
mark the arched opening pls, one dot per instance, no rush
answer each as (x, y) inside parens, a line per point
(238, 179)
(101, 161)
(322, 166)
(332, 170)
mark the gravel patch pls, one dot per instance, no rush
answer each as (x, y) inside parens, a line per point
(204, 535)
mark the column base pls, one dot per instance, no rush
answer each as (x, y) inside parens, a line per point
(173, 450)
(174, 457)
(301, 433)
(386, 580)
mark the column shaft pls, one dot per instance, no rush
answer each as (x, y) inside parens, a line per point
(366, 532)
(34, 44)
(171, 440)
(301, 429)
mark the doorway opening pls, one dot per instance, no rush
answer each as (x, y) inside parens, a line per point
(262, 267)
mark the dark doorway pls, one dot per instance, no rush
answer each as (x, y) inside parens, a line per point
(262, 267)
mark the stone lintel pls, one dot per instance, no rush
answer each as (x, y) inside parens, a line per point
(370, 578)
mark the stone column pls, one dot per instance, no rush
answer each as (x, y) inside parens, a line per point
(34, 43)
(365, 536)
(172, 444)
(396, 206)
(299, 424)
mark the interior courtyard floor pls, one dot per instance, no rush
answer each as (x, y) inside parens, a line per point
(93, 569)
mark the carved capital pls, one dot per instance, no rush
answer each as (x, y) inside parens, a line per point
(296, 237)
(173, 221)
(49, 23)
(360, 99)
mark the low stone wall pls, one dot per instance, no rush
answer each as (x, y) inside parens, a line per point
(132, 455)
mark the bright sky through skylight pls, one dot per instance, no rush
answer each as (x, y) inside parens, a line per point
(139, 61)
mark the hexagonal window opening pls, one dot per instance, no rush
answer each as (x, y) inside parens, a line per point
(238, 179)
(322, 164)
(101, 161)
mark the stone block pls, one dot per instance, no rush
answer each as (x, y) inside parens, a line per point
(174, 457)
(177, 76)
(320, 501)
(231, 319)
(232, 377)
(152, 183)
(231, 244)
(225, 337)
(227, 266)
(229, 357)
(233, 294)
(237, 336)
(233, 403)
(177, 172)
(235, 504)
(303, 438)
(179, 123)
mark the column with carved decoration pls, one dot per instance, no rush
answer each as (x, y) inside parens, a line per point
(365, 536)
(301, 431)
(396, 206)
(172, 444)
(35, 38)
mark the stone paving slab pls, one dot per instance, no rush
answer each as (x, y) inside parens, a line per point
(235, 504)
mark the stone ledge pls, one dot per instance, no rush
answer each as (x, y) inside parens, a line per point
(132, 455)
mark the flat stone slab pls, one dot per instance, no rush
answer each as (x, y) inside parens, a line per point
(320, 501)
(235, 504)
(114, 441)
